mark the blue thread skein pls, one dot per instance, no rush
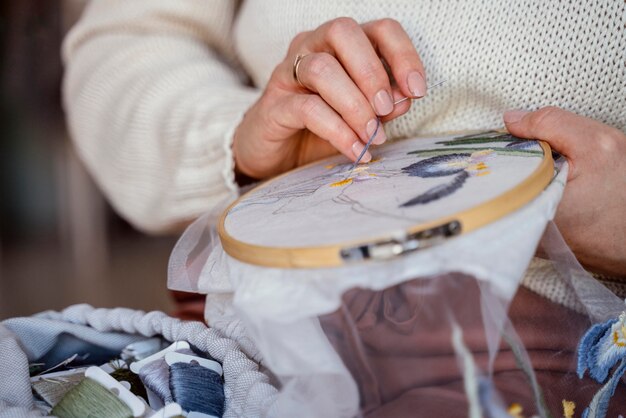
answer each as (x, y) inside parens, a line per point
(196, 388)
(156, 377)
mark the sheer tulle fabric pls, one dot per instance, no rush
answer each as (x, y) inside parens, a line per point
(447, 331)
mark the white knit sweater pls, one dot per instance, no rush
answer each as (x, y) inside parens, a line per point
(155, 88)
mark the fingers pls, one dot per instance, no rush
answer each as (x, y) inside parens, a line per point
(350, 76)
(400, 108)
(585, 142)
(359, 49)
(395, 46)
(323, 74)
(348, 42)
(342, 64)
(566, 132)
(310, 111)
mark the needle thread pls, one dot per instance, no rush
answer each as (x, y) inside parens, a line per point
(412, 98)
(369, 141)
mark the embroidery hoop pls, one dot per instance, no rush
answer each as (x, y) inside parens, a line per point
(416, 237)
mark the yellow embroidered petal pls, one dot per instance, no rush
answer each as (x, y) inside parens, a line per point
(482, 153)
(343, 182)
(568, 409)
(619, 331)
(515, 410)
(458, 164)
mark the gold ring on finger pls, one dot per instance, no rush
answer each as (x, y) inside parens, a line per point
(296, 66)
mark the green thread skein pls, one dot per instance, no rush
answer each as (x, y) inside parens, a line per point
(90, 400)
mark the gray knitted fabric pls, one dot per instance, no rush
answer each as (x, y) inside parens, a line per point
(247, 390)
(542, 278)
(614, 284)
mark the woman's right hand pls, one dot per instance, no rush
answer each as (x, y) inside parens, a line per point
(342, 87)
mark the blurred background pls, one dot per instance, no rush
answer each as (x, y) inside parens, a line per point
(60, 243)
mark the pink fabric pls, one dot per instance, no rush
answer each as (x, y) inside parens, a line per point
(405, 364)
(188, 306)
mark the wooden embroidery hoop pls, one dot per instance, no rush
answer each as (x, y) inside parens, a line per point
(417, 237)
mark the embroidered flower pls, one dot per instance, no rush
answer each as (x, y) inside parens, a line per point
(461, 165)
(350, 175)
(438, 166)
(619, 332)
(600, 349)
(446, 165)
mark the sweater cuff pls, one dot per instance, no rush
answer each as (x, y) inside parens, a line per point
(228, 170)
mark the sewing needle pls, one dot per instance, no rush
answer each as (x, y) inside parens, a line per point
(369, 142)
(413, 98)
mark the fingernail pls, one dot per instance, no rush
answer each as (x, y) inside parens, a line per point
(417, 84)
(380, 135)
(514, 116)
(357, 149)
(383, 103)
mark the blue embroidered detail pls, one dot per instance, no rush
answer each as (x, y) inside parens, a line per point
(600, 349)
(438, 192)
(438, 166)
(461, 165)
(523, 144)
(600, 403)
(587, 356)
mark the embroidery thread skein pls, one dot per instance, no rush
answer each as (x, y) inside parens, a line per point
(53, 389)
(196, 388)
(156, 377)
(89, 399)
(136, 385)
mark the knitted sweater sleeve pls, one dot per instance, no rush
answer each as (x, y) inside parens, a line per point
(153, 96)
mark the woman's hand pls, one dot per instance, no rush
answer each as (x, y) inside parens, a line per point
(592, 214)
(342, 86)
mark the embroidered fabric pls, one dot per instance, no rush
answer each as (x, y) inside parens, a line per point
(448, 331)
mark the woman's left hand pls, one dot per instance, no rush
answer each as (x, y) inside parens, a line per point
(592, 213)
